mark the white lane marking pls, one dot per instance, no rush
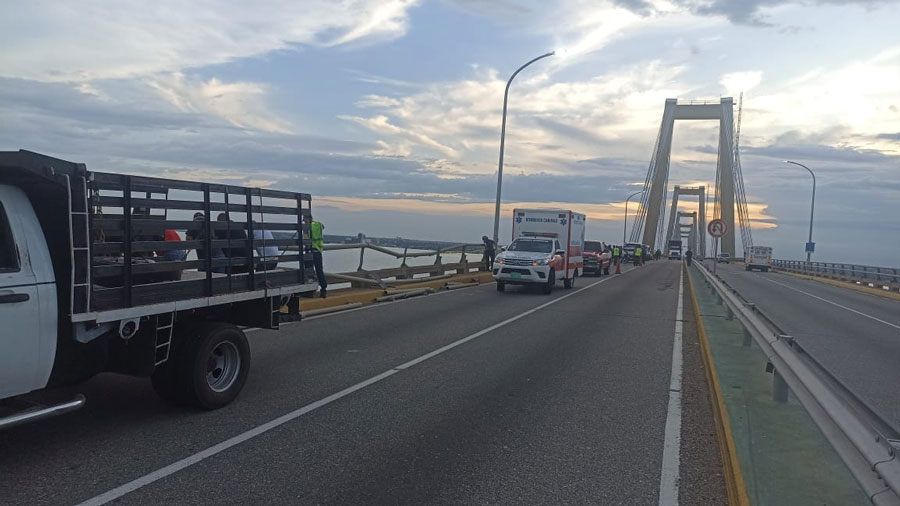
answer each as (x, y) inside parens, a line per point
(879, 320)
(671, 460)
(186, 462)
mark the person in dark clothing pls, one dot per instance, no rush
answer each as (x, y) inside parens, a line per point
(233, 233)
(198, 233)
(657, 254)
(688, 256)
(489, 253)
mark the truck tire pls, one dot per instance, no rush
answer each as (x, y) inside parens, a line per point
(501, 286)
(551, 280)
(212, 365)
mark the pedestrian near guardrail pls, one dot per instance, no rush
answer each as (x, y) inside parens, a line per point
(317, 242)
(489, 252)
(688, 256)
(638, 256)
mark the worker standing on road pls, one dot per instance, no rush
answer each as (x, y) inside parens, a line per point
(317, 242)
(638, 256)
(617, 255)
(657, 254)
(488, 256)
(688, 256)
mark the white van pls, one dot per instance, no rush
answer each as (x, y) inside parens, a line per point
(547, 246)
(759, 257)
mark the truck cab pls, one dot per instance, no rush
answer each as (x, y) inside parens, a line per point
(529, 261)
(28, 307)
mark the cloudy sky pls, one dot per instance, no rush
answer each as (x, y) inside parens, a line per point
(388, 111)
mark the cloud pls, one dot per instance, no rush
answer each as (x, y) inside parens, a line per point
(240, 103)
(96, 39)
(741, 12)
(737, 82)
(382, 125)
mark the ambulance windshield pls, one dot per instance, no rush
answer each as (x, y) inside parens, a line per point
(532, 245)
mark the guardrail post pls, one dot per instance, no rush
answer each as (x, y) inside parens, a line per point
(463, 264)
(748, 339)
(729, 315)
(362, 252)
(779, 387)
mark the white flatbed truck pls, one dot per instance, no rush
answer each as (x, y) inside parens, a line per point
(85, 285)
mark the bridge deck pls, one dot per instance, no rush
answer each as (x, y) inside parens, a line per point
(564, 405)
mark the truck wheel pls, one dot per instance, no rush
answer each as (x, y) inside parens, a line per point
(551, 280)
(501, 286)
(214, 366)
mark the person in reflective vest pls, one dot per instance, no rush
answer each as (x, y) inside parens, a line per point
(317, 244)
(617, 255)
(638, 256)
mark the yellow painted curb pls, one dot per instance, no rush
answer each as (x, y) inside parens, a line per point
(845, 284)
(734, 478)
(368, 295)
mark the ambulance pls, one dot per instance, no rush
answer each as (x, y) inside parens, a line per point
(546, 247)
(758, 257)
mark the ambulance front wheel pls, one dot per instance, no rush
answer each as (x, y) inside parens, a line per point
(551, 280)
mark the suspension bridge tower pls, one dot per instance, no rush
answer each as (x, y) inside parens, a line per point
(649, 226)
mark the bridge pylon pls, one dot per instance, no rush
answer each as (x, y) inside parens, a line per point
(647, 227)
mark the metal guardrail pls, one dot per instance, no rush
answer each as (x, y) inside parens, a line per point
(868, 445)
(882, 276)
(405, 273)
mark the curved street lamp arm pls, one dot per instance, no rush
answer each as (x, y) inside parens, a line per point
(812, 206)
(503, 143)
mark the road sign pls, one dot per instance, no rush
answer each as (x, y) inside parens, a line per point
(810, 247)
(717, 228)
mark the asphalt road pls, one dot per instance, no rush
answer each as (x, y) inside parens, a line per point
(564, 404)
(855, 335)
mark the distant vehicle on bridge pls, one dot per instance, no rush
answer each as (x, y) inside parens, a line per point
(724, 258)
(594, 260)
(628, 249)
(547, 245)
(759, 257)
(675, 249)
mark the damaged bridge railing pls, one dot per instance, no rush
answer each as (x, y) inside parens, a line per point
(404, 272)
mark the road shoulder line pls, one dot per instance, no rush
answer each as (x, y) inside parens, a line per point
(734, 477)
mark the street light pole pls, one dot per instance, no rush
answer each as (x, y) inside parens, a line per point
(812, 207)
(503, 142)
(625, 225)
